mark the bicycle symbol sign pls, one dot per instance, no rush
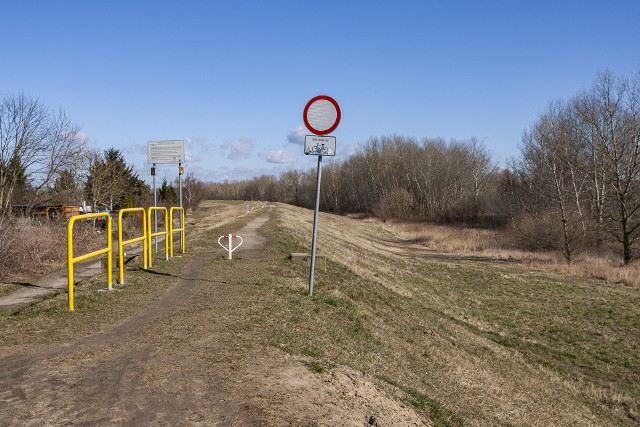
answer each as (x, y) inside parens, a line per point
(315, 145)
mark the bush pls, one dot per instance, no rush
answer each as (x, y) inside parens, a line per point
(29, 248)
(397, 204)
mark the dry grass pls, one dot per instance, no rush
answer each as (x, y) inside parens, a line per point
(29, 249)
(491, 244)
(492, 336)
(466, 337)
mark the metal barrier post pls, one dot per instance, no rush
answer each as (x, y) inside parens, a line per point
(230, 247)
(174, 230)
(151, 234)
(121, 243)
(71, 259)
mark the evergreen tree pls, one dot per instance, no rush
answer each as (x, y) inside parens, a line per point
(112, 183)
(167, 194)
(65, 189)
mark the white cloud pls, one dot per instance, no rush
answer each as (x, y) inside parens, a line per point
(81, 136)
(232, 174)
(196, 148)
(296, 136)
(237, 149)
(195, 140)
(278, 156)
(135, 149)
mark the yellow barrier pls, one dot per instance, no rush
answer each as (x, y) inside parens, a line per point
(126, 242)
(175, 230)
(151, 235)
(71, 260)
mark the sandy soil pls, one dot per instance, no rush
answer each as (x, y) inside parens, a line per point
(168, 365)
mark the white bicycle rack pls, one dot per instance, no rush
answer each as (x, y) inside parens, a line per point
(229, 248)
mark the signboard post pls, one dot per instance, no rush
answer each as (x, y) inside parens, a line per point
(165, 152)
(321, 116)
(155, 205)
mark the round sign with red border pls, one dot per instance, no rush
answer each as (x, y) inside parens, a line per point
(321, 115)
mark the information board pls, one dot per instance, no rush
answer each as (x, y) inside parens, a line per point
(166, 152)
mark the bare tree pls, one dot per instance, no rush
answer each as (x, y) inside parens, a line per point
(37, 142)
(615, 119)
(192, 191)
(482, 171)
(554, 161)
(98, 186)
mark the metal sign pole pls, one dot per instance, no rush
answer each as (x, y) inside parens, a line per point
(180, 183)
(315, 227)
(321, 116)
(180, 196)
(155, 205)
(165, 152)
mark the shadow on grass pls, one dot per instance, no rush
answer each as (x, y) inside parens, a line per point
(27, 285)
(177, 276)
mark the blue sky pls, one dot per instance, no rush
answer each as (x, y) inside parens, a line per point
(232, 78)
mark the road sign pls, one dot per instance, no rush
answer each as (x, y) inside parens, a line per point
(318, 145)
(321, 115)
(166, 152)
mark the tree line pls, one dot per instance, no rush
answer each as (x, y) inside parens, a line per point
(391, 177)
(579, 171)
(45, 159)
(575, 186)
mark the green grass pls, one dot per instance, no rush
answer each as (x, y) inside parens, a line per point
(6, 289)
(316, 367)
(439, 416)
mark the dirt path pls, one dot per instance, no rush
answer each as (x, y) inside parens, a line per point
(186, 360)
(122, 376)
(31, 292)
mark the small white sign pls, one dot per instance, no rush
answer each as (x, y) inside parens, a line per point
(165, 151)
(316, 145)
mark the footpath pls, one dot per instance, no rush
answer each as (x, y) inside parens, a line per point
(31, 292)
(57, 280)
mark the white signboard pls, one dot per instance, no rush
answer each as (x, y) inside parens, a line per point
(165, 151)
(316, 145)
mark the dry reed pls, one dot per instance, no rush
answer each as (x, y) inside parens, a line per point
(495, 244)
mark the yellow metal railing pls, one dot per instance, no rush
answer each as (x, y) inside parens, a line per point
(175, 230)
(151, 234)
(71, 259)
(122, 243)
(146, 238)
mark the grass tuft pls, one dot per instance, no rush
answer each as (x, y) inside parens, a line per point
(316, 367)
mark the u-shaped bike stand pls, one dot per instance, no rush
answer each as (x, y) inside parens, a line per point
(229, 248)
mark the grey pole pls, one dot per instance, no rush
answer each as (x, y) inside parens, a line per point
(315, 227)
(180, 183)
(180, 196)
(155, 205)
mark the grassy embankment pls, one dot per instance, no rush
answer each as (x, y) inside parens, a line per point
(464, 339)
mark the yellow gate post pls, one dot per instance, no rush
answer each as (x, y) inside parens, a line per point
(121, 244)
(71, 260)
(175, 230)
(151, 234)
